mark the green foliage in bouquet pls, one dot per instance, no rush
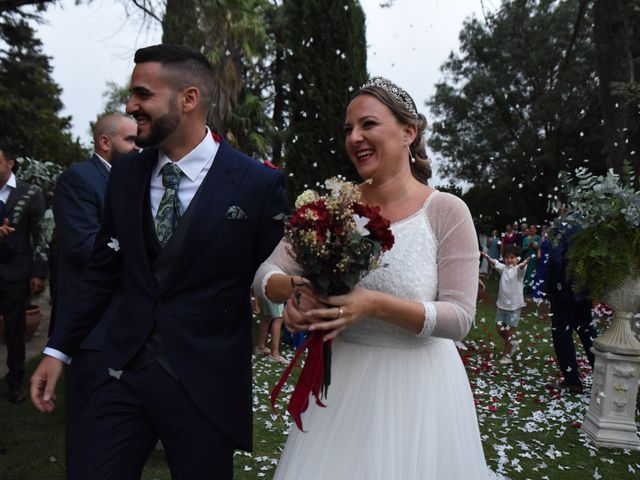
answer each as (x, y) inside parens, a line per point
(606, 249)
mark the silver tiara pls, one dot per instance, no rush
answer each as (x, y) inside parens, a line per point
(398, 93)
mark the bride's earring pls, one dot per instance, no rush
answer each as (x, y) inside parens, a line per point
(411, 157)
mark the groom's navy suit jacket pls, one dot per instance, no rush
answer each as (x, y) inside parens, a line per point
(198, 302)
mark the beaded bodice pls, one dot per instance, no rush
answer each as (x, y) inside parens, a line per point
(434, 261)
(409, 272)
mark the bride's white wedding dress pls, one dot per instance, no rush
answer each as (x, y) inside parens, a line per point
(399, 406)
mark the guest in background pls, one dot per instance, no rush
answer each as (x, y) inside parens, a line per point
(519, 229)
(570, 310)
(271, 322)
(509, 237)
(25, 273)
(493, 247)
(510, 299)
(530, 246)
(542, 260)
(7, 252)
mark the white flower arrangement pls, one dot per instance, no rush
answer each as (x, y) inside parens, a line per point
(606, 249)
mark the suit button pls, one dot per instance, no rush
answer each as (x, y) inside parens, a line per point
(158, 302)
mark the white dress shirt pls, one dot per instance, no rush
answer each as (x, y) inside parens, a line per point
(104, 162)
(194, 165)
(5, 191)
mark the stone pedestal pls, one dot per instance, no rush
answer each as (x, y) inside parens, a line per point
(611, 419)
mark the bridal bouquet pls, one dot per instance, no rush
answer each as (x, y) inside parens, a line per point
(336, 239)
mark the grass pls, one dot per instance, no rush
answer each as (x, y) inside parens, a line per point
(528, 431)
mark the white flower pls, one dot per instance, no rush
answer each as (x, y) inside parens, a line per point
(360, 224)
(114, 243)
(334, 185)
(308, 196)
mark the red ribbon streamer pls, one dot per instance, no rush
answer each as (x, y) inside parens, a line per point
(310, 381)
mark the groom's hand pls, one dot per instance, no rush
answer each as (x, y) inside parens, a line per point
(43, 383)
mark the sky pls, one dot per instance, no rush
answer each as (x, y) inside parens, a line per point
(92, 44)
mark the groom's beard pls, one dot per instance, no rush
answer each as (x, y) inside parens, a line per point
(160, 128)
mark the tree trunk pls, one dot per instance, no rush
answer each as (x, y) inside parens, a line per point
(278, 97)
(614, 64)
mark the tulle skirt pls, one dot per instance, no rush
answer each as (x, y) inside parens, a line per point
(392, 413)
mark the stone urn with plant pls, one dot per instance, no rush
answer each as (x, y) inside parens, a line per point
(604, 257)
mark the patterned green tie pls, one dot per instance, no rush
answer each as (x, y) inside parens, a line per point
(169, 210)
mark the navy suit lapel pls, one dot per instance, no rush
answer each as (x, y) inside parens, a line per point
(218, 189)
(100, 167)
(136, 205)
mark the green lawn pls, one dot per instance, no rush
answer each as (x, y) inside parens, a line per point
(528, 431)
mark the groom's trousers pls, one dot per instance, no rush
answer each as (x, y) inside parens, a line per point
(123, 420)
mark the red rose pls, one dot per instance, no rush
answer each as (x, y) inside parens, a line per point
(378, 226)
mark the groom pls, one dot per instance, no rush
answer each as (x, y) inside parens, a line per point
(186, 224)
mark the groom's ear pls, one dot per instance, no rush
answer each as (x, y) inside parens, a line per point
(190, 99)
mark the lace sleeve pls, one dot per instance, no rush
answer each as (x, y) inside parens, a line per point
(280, 261)
(453, 313)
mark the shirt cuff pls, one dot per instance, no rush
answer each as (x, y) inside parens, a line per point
(52, 352)
(429, 324)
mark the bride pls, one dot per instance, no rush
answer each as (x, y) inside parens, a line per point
(400, 406)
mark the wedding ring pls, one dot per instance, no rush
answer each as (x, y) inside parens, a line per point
(339, 312)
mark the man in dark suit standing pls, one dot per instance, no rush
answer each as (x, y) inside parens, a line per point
(186, 224)
(78, 204)
(570, 309)
(26, 272)
(7, 252)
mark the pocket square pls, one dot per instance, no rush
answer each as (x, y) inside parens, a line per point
(234, 212)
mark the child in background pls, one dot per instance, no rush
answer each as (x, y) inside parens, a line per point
(271, 321)
(510, 297)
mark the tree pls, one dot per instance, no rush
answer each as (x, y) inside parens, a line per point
(30, 105)
(616, 22)
(116, 97)
(519, 104)
(233, 35)
(325, 63)
(17, 6)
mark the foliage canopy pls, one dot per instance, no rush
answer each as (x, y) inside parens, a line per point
(30, 106)
(515, 109)
(325, 64)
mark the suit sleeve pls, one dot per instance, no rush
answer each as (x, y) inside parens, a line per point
(38, 235)
(7, 251)
(77, 217)
(99, 281)
(271, 228)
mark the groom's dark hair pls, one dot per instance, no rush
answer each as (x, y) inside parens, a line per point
(183, 67)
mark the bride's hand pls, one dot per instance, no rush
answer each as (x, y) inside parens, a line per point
(302, 299)
(342, 311)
